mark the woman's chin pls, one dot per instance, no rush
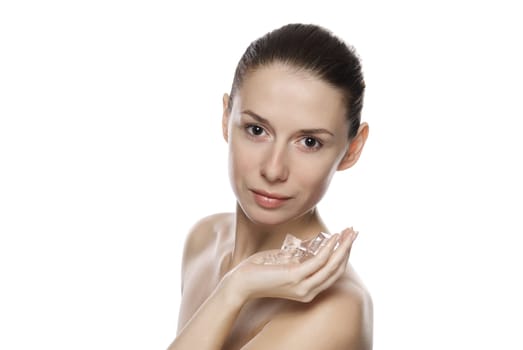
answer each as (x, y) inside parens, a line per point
(267, 220)
(265, 217)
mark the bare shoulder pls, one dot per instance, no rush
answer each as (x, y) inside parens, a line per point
(341, 317)
(204, 234)
(348, 305)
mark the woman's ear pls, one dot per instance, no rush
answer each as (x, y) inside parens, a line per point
(225, 117)
(355, 147)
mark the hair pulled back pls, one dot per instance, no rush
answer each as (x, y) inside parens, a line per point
(313, 49)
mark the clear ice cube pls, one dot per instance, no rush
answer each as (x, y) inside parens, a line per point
(293, 249)
(314, 245)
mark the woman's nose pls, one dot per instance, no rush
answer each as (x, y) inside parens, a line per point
(275, 167)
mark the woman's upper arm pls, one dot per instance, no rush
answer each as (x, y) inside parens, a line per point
(341, 322)
(200, 236)
(196, 240)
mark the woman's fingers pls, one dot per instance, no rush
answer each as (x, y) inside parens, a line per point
(298, 281)
(335, 266)
(315, 263)
(326, 255)
(330, 281)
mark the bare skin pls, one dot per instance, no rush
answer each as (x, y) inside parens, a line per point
(347, 302)
(287, 136)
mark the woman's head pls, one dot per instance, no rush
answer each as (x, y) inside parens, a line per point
(312, 49)
(289, 122)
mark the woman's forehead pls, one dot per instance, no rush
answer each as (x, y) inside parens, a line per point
(279, 91)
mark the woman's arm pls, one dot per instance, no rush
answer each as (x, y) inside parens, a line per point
(339, 318)
(211, 324)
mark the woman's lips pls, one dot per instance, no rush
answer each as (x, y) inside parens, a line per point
(269, 200)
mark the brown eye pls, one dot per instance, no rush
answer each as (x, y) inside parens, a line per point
(255, 130)
(310, 142)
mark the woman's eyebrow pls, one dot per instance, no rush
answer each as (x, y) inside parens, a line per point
(303, 131)
(316, 131)
(256, 116)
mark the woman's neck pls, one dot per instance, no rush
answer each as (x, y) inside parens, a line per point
(251, 237)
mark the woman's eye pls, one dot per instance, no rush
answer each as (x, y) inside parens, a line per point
(311, 143)
(255, 130)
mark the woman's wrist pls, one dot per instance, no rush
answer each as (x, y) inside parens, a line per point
(232, 290)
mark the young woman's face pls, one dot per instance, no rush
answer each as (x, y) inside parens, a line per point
(287, 135)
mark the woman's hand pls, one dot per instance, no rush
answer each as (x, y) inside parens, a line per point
(301, 281)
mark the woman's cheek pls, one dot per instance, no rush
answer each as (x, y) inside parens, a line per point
(245, 155)
(242, 158)
(315, 174)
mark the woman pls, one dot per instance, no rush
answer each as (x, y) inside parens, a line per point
(292, 120)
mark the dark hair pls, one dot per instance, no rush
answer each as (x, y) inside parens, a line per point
(314, 49)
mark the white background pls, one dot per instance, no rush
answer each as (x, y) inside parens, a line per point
(111, 148)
